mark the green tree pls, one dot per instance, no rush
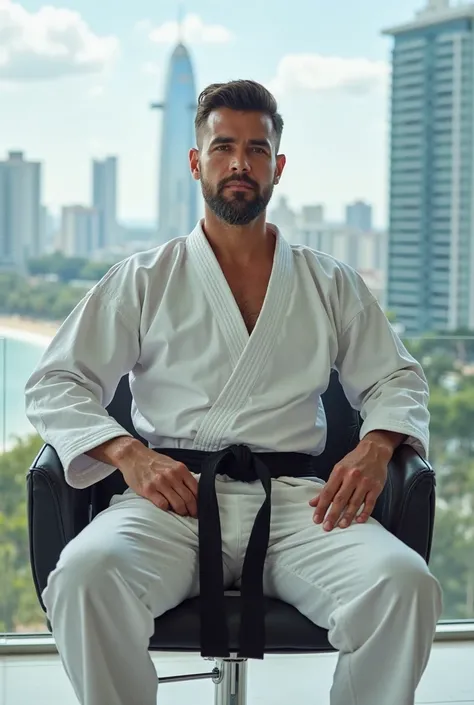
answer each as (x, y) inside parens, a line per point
(38, 299)
(68, 268)
(19, 605)
(93, 271)
(446, 361)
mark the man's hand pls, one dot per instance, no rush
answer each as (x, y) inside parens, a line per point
(165, 482)
(358, 479)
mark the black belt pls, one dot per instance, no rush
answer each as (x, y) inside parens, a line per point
(239, 463)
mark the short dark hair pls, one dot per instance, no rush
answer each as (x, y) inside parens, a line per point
(238, 95)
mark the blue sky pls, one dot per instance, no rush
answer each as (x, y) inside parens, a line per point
(76, 79)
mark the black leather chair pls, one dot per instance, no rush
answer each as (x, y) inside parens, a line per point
(57, 513)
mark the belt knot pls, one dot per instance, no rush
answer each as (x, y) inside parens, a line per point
(242, 466)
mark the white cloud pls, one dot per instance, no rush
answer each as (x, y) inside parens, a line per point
(193, 31)
(151, 69)
(50, 43)
(313, 72)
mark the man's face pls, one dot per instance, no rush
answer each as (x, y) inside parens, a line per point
(237, 164)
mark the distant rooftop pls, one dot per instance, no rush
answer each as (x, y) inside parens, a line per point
(15, 156)
(435, 12)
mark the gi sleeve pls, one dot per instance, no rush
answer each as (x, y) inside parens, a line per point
(381, 379)
(66, 395)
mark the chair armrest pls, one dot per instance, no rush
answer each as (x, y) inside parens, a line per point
(406, 506)
(57, 512)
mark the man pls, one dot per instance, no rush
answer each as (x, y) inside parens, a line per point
(229, 335)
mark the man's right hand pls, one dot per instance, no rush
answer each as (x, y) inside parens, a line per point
(164, 481)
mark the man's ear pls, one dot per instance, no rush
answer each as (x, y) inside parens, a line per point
(194, 163)
(280, 165)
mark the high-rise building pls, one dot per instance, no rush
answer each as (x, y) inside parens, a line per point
(431, 231)
(359, 216)
(80, 231)
(104, 200)
(358, 250)
(312, 215)
(178, 192)
(47, 226)
(285, 219)
(20, 211)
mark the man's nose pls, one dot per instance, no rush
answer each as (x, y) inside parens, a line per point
(240, 162)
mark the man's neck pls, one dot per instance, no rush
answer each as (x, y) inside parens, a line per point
(239, 245)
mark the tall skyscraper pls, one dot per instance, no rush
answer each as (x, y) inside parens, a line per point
(177, 194)
(285, 218)
(47, 231)
(359, 216)
(104, 200)
(80, 231)
(431, 232)
(20, 211)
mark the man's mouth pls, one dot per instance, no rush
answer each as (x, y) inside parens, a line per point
(239, 185)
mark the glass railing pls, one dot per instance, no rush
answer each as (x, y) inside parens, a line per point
(448, 363)
(20, 350)
(3, 430)
(449, 366)
(3, 396)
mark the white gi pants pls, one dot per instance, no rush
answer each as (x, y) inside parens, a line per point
(134, 561)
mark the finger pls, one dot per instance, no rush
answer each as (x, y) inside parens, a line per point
(179, 485)
(314, 502)
(326, 497)
(369, 506)
(353, 506)
(336, 483)
(159, 500)
(188, 498)
(191, 482)
(338, 506)
(176, 501)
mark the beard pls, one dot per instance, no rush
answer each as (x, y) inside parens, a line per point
(238, 208)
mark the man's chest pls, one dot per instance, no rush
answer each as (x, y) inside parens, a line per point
(195, 346)
(249, 290)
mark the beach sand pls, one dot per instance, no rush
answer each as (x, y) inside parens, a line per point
(28, 329)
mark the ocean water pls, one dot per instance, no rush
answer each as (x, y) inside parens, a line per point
(18, 357)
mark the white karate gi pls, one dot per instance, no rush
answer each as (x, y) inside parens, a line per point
(200, 381)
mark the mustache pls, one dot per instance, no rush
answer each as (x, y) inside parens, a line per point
(243, 178)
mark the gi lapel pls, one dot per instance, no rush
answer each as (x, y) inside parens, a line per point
(249, 354)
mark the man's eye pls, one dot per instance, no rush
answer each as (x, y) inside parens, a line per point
(222, 147)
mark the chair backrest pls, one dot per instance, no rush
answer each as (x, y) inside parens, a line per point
(343, 424)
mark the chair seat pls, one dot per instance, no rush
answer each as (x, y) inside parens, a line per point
(287, 630)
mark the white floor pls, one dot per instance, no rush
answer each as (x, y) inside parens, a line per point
(278, 680)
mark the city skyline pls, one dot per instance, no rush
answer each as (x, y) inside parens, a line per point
(88, 203)
(427, 271)
(319, 71)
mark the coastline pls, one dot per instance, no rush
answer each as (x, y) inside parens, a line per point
(29, 330)
(34, 332)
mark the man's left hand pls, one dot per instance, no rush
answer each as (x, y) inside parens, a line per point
(358, 479)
